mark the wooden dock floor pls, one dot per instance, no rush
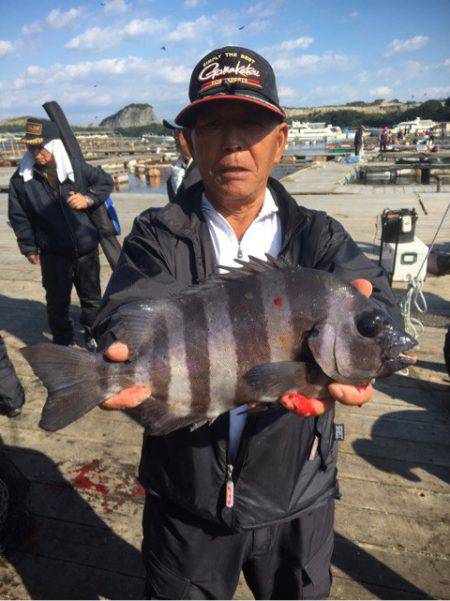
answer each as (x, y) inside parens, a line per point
(391, 523)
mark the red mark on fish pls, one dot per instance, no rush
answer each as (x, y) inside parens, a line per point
(299, 404)
(278, 301)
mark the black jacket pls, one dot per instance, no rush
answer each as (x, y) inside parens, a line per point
(274, 479)
(43, 223)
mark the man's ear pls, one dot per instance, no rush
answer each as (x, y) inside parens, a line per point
(281, 139)
(187, 133)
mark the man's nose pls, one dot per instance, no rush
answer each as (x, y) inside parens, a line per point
(233, 138)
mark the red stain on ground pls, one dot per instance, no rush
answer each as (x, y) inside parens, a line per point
(82, 480)
(278, 301)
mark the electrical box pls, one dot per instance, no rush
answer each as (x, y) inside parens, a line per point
(404, 259)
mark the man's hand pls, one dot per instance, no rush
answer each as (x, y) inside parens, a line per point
(128, 398)
(77, 201)
(34, 259)
(344, 393)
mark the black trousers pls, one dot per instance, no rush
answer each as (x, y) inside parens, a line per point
(189, 559)
(59, 274)
(11, 391)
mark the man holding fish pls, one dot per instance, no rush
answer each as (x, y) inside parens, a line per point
(233, 486)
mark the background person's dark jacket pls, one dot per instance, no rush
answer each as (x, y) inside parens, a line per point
(43, 223)
(170, 249)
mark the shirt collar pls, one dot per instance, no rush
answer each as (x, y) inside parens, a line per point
(268, 207)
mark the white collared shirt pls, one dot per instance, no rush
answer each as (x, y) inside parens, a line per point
(262, 236)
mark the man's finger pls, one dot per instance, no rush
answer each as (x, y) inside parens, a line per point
(128, 398)
(302, 405)
(350, 395)
(363, 286)
(118, 351)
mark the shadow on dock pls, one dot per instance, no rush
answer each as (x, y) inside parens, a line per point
(69, 552)
(421, 441)
(27, 319)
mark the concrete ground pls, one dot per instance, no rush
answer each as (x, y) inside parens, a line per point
(392, 519)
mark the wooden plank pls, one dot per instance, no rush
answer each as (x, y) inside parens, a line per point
(398, 571)
(396, 532)
(394, 499)
(388, 470)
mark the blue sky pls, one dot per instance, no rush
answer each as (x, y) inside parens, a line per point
(94, 57)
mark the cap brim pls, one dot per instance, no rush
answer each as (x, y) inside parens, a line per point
(184, 118)
(169, 124)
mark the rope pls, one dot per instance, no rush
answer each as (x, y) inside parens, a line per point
(414, 297)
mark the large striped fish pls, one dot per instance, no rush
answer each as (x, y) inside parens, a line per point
(251, 334)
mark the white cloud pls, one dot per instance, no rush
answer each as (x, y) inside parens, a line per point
(289, 45)
(96, 39)
(192, 3)
(116, 7)
(56, 19)
(287, 94)
(189, 30)
(381, 91)
(354, 14)
(6, 47)
(265, 8)
(311, 62)
(414, 43)
(447, 62)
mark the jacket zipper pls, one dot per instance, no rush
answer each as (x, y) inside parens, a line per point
(240, 254)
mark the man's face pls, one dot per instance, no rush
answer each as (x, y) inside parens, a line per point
(235, 145)
(181, 144)
(40, 154)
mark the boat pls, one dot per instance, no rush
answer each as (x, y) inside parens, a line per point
(414, 126)
(304, 131)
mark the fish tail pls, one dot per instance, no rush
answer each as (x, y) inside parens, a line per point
(76, 381)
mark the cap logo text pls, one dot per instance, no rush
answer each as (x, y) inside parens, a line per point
(215, 70)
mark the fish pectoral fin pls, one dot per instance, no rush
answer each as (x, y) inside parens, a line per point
(271, 380)
(134, 321)
(159, 421)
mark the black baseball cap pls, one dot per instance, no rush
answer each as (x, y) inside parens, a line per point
(39, 131)
(232, 73)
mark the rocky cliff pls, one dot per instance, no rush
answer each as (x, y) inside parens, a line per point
(133, 115)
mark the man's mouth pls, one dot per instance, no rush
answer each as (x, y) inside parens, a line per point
(232, 169)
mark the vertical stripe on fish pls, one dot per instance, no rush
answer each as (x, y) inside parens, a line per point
(246, 309)
(159, 358)
(222, 352)
(197, 353)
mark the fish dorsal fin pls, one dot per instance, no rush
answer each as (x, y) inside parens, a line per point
(250, 267)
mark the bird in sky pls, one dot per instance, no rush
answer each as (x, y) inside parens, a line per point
(241, 27)
(163, 48)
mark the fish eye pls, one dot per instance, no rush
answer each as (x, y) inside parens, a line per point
(370, 324)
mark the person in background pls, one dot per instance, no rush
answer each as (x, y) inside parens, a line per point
(384, 139)
(183, 173)
(359, 141)
(50, 197)
(12, 396)
(248, 492)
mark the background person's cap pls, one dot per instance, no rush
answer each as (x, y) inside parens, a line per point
(232, 73)
(169, 124)
(39, 131)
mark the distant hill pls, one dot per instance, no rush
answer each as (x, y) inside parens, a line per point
(132, 115)
(368, 108)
